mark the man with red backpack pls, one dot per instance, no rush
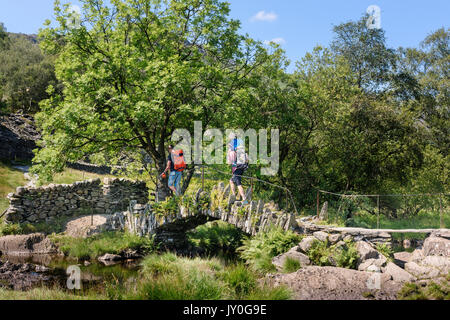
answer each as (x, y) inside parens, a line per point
(176, 165)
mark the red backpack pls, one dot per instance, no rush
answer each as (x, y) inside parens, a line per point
(178, 160)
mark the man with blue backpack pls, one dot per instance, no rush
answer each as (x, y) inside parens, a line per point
(238, 159)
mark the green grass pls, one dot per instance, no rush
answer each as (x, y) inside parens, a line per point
(69, 176)
(432, 291)
(10, 179)
(49, 294)
(259, 250)
(323, 254)
(108, 242)
(170, 277)
(217, 237)
(291, 265)
(386, 250)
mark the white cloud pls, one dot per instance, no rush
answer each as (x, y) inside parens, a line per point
(275, 40)
(264, 16)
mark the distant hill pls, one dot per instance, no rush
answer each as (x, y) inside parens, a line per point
(31, 37)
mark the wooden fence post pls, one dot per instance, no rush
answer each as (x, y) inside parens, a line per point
(378, 212)
(441, 214)
(317, 204)
(203, 178)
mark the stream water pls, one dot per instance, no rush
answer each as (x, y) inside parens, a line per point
(93, 275)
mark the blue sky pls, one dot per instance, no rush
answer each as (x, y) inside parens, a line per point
(298, 25)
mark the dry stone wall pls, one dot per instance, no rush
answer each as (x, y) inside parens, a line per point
(37, 204)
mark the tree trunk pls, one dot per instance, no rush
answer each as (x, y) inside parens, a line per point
(188, 173)
(162, 189)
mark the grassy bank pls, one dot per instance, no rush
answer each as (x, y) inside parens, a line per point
(10, 179)
(48, 294)
(108, 242)
(170, 277)
(431, 291)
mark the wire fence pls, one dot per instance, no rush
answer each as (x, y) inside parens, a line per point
(398, 211)
(414, 210)
(209, 175)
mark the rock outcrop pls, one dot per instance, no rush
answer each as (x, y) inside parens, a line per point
(35, 243)
(18, 136)
(24, 276)
(433, 259)
(294, 254)
(332, 283)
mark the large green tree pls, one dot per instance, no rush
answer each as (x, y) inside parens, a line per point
(366, 52)
(135, 70)
(25, 73)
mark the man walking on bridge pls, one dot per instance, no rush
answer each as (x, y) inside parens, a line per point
(238, 159)
(176, 165)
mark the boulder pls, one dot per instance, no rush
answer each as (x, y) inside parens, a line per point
(416, 255)
(306, 243)
(443, 233)
(438, 262)
(436, 246)
(421, 272)
(366, 251)
(331, 283)
(397, 273)
(378, 263)
(320, 235)
(334, 238)
(400, 258)
(110, 257)
(27, 244)
(295, 254)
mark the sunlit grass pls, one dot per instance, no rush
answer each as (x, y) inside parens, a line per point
(10, 179)
(49, 294)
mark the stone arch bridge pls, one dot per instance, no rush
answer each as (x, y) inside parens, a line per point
(170, 227)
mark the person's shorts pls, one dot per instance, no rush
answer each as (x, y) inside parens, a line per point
(237, 177)
(174, 179)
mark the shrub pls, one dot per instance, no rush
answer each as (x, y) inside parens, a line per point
(188, 285)
(217, 236)
(432, 291)
(159, 264)
(166, 207)
(241, 280)
(291, 265)
(386, 251)
(344, 256)
(259, 250)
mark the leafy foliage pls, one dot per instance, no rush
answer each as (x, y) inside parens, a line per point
(25, 73)
(258, 251)
(217, 237)
(291, 265)
(323, 254)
